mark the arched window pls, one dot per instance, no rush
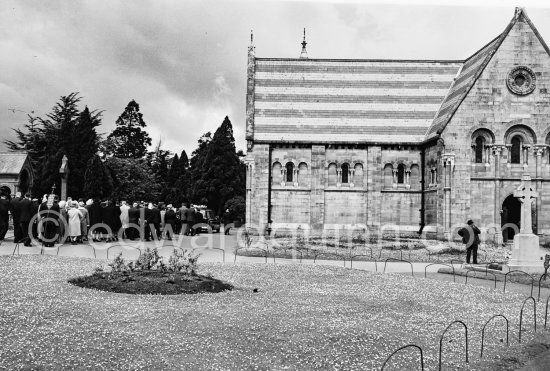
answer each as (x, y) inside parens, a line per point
(332, 176)
(388, 176)
(345, 173)
(515, 151)
(400, 174)
(276, 173)
(289, 172)
(302, 174)
(358, 175)
(480, 144)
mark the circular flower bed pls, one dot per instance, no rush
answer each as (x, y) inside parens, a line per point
(151, 283)
(150, 275)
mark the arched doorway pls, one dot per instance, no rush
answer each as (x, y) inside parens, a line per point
(511, 214)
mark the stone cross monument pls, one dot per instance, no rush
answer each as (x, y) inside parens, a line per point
(526, 253)
(64, 171)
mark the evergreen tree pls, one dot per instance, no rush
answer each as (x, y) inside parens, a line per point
(197, 191)
(97, 179)
(81, 149)
(64, 131)
(174, 173)
(223, 174)
(184, 162)
(133, 180)
(128, 139)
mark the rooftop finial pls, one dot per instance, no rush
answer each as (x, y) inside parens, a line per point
(303, 54)
(251, 48)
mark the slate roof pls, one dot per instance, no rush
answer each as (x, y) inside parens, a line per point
(364, 101)
(11, 163)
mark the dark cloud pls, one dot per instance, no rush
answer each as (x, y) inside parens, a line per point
(184, 62)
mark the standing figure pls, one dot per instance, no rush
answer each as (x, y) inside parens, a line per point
(49, 216)
(4, 215)
(227, 220)
(169, 222)
(85, 222)
(182, 214)
(63, 218)
(75, 219)
(470, 237)
(190, 217)
(110, 215)
(16, 216)
(133, 218)
(94, 211)
(25, 216)
(124, 218)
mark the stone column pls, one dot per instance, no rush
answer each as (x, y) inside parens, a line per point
(338, 177)
(408, 178)
(539, 152)
(497, 150)
(394, 184)
(351, 177)
(526, 155)
(319, 178)
(448, 160)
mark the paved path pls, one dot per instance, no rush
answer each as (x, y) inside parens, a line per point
(217, 247)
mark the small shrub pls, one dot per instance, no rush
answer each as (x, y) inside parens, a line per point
(118, 265)
(184, 262)
(149, 259)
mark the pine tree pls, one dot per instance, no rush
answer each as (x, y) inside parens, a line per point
(223, 174)
(128, 139)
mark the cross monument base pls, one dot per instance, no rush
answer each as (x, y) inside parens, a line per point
(527, 255)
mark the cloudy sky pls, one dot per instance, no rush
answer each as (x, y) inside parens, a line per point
(184, 62)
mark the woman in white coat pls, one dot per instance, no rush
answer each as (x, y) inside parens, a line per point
(75, 218)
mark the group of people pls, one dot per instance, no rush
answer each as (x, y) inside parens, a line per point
(58, 221)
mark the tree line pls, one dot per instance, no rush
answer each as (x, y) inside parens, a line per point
(119, 165)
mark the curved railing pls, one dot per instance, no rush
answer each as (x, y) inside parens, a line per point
(405, 347)
(485, 325)
(443, 334)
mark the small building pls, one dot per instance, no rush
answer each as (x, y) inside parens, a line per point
(420, 145)
(16, 172)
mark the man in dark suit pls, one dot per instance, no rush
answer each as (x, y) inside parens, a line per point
(190, 217)
(15, 210)
(4, 215)
(156, 220)
(25, 216)
(133, 220)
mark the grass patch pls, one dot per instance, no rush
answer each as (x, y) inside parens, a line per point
(295, 317)
(413, 250)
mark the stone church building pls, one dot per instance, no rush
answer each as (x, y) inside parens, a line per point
(419, 145)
